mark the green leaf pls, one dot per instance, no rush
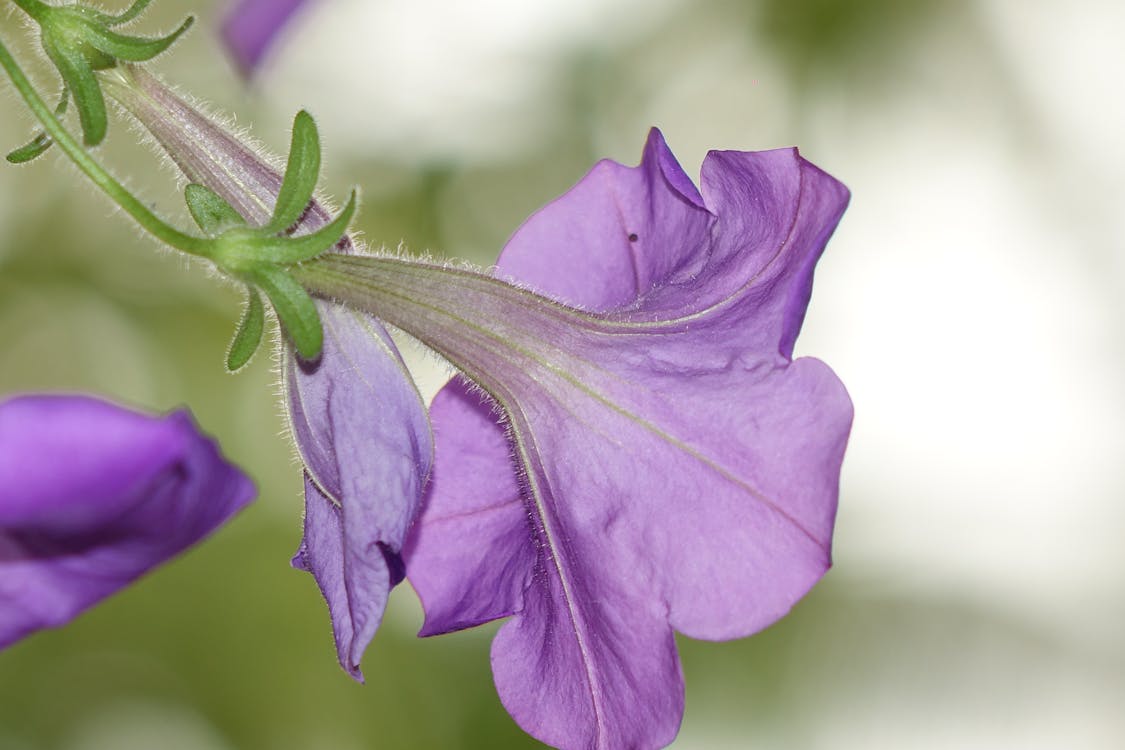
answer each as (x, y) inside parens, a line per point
(249, 333)
(87, 94)
(285, 250)
(295, 310)
(127, 15)
(301, 174)
(41, 142)
(34, 148)
(213, 214)
(132, 48)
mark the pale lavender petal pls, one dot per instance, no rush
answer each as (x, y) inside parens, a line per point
(252, 26)
(363, 435)
(93, 496)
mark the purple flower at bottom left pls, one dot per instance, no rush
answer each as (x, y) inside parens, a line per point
(93, 496)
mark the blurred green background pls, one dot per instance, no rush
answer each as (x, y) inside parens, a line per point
(971, 300)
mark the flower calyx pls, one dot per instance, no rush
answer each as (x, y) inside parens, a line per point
(261, 257)
(80, 40)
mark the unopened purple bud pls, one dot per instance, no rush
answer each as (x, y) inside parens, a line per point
(92, 496)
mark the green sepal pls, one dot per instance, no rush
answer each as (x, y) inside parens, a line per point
(295, 309)
(41, 142)
(249, 333)
(286, 250)
(127, 15)
(133, 48)
(79, 41)
(301, 173)
(213, 214)
(78, 76)
(31, 150)
(34, 8)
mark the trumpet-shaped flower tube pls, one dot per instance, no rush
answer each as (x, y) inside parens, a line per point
(92, 496)
(641, 453)
(357, 418)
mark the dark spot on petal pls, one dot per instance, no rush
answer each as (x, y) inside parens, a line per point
(633, 237)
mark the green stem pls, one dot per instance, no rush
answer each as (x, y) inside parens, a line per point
(103, 179)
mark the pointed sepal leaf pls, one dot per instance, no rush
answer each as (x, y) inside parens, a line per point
(134, 48)
(31, 150)
(249, 333)
(127, 15)
(41, 142)
(301, 174)
(295, 310)
(210, 211)
(79, 41)
(78, 76)
(285, 250)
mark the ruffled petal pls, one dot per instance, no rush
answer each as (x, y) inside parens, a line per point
(774, 213)
(676, 468)
(613, 237)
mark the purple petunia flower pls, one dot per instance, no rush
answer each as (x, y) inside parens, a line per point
(92, 496)
(649, 456)
(357, 418)
(251, 27)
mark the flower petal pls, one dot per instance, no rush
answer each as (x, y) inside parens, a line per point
(638, 530)
(776, 212)
(767, 219)
(590, 663)
(363, 435)
(716, 491)
(614, 236)
(677, 469)
(478, 526)
(354, 570)
(92, 496)
(571, 670)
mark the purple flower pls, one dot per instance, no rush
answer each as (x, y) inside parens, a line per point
(92, 496)
(362, 431)
(251, 26)
(358, 421)
(648, 456)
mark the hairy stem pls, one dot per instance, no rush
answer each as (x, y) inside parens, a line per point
(117, 192)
